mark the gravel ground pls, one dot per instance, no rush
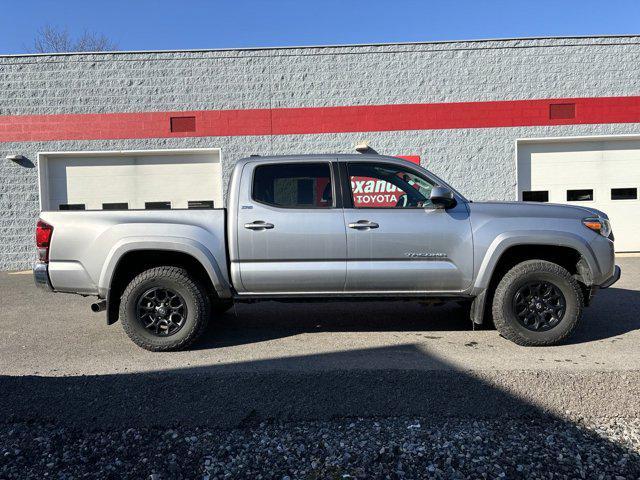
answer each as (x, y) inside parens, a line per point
(352, 448)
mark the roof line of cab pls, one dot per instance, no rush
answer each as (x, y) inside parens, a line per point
(341, 157)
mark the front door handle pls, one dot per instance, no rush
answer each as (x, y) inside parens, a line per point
(363, 225)
(259, 225)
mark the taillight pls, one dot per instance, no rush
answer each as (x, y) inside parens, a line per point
(43, 239)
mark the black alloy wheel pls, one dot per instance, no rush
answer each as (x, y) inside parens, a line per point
(162, 311)
(539, 306)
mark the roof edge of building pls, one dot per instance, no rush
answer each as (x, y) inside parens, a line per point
(328, 46)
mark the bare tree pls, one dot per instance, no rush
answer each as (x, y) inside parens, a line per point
(50, 39)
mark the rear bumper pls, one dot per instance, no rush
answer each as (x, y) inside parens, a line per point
(41, 276)
(613, 278)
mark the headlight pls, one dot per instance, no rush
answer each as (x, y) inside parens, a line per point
(597, 224)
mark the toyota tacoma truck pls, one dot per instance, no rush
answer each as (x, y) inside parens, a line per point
(330, 227)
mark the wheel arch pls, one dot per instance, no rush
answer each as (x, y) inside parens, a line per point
(528, 246)
(567, 250)
(127, 261)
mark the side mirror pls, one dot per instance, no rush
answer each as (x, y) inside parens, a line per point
(442, 197)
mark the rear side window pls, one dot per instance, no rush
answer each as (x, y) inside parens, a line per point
(293, 185)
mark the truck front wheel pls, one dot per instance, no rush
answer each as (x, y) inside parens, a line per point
(537, 303)
(164, 309)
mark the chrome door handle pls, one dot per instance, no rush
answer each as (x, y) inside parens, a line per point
(363, 225)
(259, 225)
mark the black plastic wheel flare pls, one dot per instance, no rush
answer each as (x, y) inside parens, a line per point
(162, 311)
(539, 305)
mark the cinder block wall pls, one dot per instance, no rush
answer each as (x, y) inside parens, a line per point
(479, 162)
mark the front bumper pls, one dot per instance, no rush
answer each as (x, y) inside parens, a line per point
(41, 276)
(613, 278)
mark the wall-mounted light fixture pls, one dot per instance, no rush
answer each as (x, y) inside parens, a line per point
(16, 158)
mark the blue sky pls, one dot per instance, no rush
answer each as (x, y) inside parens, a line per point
(184, 24)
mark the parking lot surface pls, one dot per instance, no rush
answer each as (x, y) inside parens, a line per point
(342, 390)
(308, 361)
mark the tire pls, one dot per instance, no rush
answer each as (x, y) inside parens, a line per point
(143, 294)
(518, 301)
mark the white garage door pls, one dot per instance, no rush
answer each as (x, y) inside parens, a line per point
(131, 180)
(603, 174)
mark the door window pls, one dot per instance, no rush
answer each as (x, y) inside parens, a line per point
(375, 185)
(294, 185)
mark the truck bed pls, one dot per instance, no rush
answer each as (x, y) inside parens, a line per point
(86, 245)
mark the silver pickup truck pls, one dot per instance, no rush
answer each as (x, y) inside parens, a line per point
(325, 227)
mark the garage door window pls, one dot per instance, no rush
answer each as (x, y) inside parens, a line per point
(579, 195)
(200, 204)
(535, 196)
(71, 206)
(157, 205)
(624, 194)
(115, 206)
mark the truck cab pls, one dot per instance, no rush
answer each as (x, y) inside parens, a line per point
(358, 226)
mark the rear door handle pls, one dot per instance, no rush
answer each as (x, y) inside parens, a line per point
(259, 225)
(363, 225)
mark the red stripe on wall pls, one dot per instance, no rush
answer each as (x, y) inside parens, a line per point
(286, 121)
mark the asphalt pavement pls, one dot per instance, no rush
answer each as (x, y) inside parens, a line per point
(279, 361)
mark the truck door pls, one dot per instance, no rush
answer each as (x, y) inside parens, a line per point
(396, 240)
(291, 234)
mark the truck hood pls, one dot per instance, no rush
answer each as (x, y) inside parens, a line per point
(535, 209)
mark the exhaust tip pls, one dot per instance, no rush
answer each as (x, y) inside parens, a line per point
(99, 306)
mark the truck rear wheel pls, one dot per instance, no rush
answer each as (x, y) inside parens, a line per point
(164, 309)
(537, 303)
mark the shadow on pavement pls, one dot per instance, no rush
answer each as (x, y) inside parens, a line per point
(338, 384)
(271, 320)
(612, 313)
(244, 394)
